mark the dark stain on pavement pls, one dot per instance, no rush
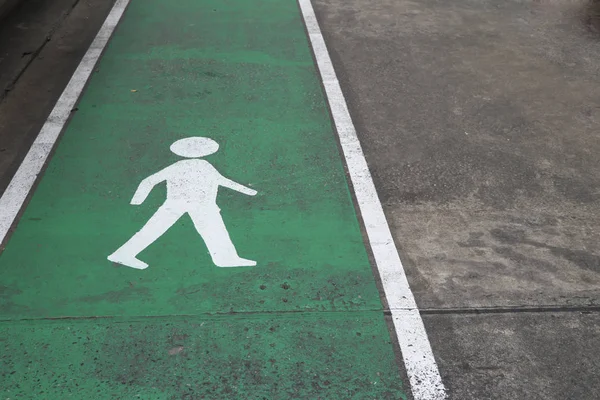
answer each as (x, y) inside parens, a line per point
(119, 296)
(7, 305)
(581, 258)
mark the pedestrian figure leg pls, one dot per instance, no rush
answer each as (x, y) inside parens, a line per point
(210, 226)
(156, 226)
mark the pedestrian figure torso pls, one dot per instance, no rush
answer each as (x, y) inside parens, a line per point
(193, 182)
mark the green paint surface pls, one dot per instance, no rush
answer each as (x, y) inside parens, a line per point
(278, 357)
(241, 73)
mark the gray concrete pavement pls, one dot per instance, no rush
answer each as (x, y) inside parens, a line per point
(518, 355)
(41, 44)
(6, 7)
(24, 33)
(480, 121)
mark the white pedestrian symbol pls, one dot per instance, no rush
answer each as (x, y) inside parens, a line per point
(192, 187)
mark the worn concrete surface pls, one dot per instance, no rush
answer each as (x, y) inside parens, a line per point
(41, 44)
(518, 356)
(479, 120)
(6, 6)
(24, 33)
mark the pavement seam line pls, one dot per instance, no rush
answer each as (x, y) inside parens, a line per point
(242, 314)
(250, 314)
(419, 361)
(510, 310)
(17, 192)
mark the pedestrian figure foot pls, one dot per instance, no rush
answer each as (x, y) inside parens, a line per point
(131, 262)
(239, 262)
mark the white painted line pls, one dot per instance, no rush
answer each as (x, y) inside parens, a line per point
(422, 370)
(19, 187)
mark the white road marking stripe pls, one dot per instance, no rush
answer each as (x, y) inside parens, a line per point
(19, 187)
(425, 380)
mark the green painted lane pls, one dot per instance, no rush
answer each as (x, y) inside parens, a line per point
(241, 73)
(220, 358)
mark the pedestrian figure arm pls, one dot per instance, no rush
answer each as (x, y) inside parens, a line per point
(146, 186)
(236, 186)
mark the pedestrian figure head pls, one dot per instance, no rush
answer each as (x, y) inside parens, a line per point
(194, 147)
